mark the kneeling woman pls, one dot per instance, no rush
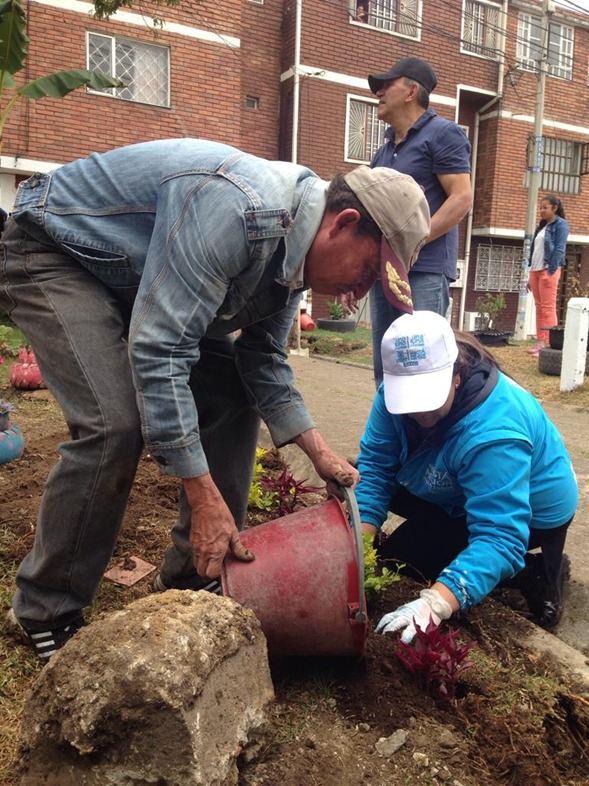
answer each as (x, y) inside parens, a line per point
(479, 473)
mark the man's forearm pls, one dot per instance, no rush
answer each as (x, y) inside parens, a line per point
(451, 212)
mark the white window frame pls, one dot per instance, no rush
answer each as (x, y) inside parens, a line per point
(481, 29)
(118, 92)
(561, 42)
(395, 17)
(375, 127)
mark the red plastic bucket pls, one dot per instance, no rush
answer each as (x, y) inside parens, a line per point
(307, 322)
(306, 585)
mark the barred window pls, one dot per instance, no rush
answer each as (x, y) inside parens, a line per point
(144, 68)
(395, 16)
(481, 28)
(364, 131)
(561, 166)
(499, 268)
(563, 163)
(560, 46)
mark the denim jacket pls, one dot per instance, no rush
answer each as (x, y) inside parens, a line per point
(203, 239)
(555, 242)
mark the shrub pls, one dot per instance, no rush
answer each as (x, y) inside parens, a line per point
(436, 659)
(376, 578)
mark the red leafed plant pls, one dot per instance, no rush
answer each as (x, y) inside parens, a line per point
(285, 491)
(436, 659)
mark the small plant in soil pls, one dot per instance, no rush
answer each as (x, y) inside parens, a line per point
(258, 498)
(336, 310)
(285, 492)
(376, 578)
(436, 659)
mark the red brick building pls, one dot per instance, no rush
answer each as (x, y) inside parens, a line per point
(287, 79)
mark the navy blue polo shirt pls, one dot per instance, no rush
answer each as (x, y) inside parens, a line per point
(433, 146)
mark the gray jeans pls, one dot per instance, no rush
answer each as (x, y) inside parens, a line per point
(77, 329)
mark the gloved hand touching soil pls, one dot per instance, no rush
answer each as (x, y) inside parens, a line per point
(430, 606)
(213, 531)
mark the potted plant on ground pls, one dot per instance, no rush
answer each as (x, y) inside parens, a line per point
(337, 319)
(489, 308)
(556, 332)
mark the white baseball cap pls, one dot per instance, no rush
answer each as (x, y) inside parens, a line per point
(418, 354)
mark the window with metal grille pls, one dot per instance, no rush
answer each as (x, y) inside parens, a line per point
(481, 29)
(144, 68)
(560, 46)
(364, 131)
(561, 165)
(499, 268)
(402, 17)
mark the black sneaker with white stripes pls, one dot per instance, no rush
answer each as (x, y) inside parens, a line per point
(44, 642)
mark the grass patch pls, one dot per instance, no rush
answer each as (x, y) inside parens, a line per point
(354, 347)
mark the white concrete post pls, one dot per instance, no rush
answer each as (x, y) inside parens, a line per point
(574, 349)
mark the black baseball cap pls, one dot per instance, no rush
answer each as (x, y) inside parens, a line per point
(411, 68)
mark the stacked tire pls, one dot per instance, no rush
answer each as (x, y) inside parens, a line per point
(550, 361)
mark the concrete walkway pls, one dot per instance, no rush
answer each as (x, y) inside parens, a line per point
(339, 396)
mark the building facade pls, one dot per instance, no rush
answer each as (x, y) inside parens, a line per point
(288, 79)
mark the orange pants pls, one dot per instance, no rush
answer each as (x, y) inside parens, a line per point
(544, 288)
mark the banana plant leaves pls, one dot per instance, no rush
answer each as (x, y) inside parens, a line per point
(14, 49)
(61, 83)
(14, 42)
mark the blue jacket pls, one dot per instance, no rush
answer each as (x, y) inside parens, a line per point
(433, 146)
(504, 464)
(555, 243)
(203, 239)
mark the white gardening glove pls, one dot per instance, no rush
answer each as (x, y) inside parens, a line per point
(430, 605)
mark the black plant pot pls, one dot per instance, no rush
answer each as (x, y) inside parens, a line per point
(337, 325)
(556, 337)
(493, 338)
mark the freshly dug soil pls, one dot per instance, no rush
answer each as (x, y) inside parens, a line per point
(516, 719)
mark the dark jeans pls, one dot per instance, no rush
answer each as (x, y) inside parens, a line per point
(429, 540)
(429, 291)
(77, 328)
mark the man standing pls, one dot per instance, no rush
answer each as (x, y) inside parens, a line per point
(129, 272)
(436, 153)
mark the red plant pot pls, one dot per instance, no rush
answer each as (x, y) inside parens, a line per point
(25, 373)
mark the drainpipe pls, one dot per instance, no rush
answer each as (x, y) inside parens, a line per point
(297, 82)
(295, 138)
(475, 152)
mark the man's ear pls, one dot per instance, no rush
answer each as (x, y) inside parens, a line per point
(345, 219)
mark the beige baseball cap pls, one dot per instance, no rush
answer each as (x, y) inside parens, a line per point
(399, 207)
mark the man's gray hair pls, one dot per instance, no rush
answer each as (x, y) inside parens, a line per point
(341, 197)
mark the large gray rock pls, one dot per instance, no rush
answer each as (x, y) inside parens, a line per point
(167, 691)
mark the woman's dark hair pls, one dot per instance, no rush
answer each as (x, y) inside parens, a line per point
(555, 202)
(341, 197)
(470, 354)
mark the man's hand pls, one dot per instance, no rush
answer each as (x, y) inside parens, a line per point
(333, 469)
(213, 529)
(429, 607)
(349, 303)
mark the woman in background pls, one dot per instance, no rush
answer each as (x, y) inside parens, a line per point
(547, 256)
